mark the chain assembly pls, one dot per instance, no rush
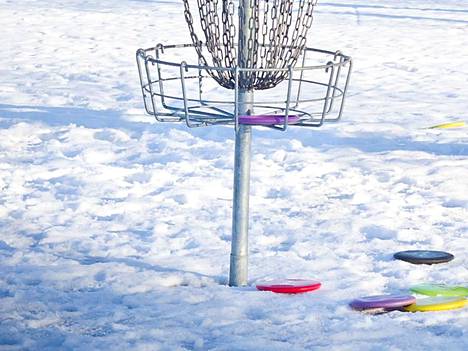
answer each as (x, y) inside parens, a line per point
(272, 33)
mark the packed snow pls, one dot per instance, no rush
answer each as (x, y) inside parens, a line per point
(115, 229)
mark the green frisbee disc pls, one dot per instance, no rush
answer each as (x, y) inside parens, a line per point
(440, 290)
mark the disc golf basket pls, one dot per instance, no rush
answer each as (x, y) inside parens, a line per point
(243, 49)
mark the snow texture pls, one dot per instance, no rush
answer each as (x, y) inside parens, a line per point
(115, 230)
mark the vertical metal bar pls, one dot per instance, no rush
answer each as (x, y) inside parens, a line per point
(140, 56)
(288, 98)
(160, 48)
(236, 98)
(150, 85)
(300, 79)
(330, 67)
(240, 208)
(336, 80)
(183, 69)
(345, 90)
(238, 273)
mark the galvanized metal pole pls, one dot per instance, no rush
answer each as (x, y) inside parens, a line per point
(240, 209)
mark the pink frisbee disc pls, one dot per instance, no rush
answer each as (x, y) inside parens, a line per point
(289, 286)
(382, 301)
(267, 120)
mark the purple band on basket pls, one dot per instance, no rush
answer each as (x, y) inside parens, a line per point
(267, 119)
(382, 301)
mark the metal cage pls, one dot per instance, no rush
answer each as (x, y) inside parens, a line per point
(174, 90)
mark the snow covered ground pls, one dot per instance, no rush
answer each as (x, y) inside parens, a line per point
(115, 230)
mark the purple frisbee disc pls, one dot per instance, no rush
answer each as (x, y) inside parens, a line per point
(382, 301)
(267, 120)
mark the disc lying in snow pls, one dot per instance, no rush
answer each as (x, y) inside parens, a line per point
(289, 286)
(382, 302)
(439, 290)
(439, 303)
(449, 125)
(424, 256)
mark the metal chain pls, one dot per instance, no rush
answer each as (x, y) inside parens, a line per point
(275, 37)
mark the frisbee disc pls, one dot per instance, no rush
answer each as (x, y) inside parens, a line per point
(289, 286)
(448, 125)
(439, 303)
(440, 290)
(424, 256)
(267, 120)
(387, 302)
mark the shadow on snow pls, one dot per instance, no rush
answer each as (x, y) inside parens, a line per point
(367, 142)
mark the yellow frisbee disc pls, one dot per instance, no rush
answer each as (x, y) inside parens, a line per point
(439, 303)
(449, 125)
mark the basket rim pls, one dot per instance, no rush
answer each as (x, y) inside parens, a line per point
(159, 48)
